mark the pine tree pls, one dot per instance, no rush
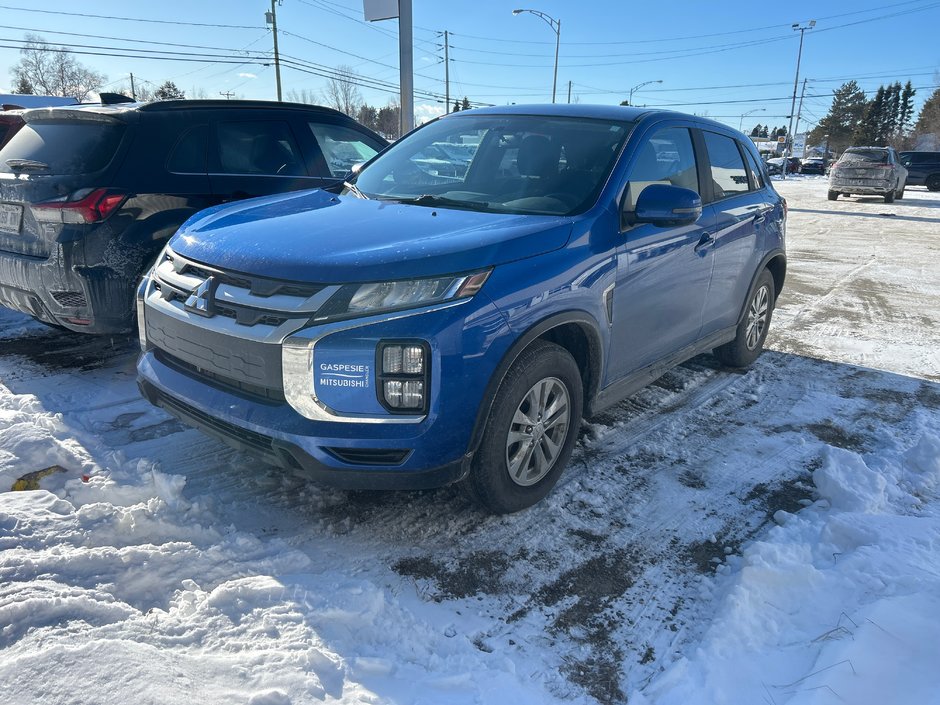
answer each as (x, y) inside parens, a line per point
(927, 127)
(169, 91)
(764, 132)
(23, 86)
(456, 108)
(906, 111)
(843, 119)
(756, 131)
(465, 105)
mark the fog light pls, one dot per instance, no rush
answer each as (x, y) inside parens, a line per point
(393, 393)
(412, 360)
(391, 360)
(412, 394)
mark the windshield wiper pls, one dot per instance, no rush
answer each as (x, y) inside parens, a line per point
(26, 165)
(429, 199)
(355, 190)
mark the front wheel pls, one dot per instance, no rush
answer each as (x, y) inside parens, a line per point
(752, 330)
(531, 431)
(933, 183)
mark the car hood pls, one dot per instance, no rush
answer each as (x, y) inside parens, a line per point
(316, 236)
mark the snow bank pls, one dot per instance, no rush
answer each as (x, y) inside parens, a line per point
(838, 603)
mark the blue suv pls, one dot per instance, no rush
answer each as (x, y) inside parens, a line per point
(472, 293)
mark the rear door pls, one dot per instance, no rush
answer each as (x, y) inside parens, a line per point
(740, 204)
(663, 273)
(257, 156)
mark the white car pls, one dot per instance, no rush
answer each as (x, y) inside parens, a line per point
(868, 171)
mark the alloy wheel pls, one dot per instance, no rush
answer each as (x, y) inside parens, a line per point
(538, 431)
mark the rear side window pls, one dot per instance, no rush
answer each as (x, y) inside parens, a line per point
(343, 147)
(727, 168)
(73, 147)
(189, 154)
(259, 148)
(665, 158)
(756, 174)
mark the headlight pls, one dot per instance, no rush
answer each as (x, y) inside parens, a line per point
(375, 297)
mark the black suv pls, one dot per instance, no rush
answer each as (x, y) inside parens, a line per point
(89, 194)
(923, 169)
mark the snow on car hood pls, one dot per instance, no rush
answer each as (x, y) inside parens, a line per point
(317, 236)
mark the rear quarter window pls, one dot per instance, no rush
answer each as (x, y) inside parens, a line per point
(68, 147)
(189, 154)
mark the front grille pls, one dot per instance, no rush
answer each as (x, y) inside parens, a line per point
(69, 299)
(256, 392)
(257, 286)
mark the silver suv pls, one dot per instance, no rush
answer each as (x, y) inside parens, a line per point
(868, 171)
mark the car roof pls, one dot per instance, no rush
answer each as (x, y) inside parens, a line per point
(125, 110)
(604, 112)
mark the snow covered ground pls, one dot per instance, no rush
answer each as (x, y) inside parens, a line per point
(768, 537)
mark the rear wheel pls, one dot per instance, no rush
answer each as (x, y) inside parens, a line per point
(752, 330)
(933, 182)
(833, 195)
(531, 431)
(889, 197)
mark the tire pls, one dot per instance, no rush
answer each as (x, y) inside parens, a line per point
(752, 330)
(933, 182)
(900, 194)
(889, 197)
(833, 195)
(518, 463)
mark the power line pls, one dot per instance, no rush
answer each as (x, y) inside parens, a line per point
(127, 19)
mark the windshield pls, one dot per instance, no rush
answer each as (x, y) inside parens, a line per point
(873, 156)
(500, 164)
(67, 147)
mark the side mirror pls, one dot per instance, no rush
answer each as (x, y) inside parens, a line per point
(664, 205)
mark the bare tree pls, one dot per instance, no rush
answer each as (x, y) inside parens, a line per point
(303, 95)
(342, 92)
(53, 70)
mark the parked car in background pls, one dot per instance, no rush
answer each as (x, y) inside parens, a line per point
(89, 194)
(792, 164)
(923, 169)
(868, 171)
(10, 122)
(813, 165)
(436, 324)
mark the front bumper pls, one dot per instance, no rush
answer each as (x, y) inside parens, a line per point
(355, 443)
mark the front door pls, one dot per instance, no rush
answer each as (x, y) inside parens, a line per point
(663, 273)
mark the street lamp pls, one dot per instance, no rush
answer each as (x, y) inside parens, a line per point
(556, 27)
(797, 27)
(749, 112)
(639, 86)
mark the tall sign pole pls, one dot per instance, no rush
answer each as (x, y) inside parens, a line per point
(376, 10)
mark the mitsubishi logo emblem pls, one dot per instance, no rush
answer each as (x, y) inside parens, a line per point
(200, 301)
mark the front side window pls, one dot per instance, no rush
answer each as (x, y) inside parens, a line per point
(729, 176)
(665, 158)
(500, 163)
(263, 147)
(343, 147)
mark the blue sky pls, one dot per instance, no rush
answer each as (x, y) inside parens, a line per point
(721, 59)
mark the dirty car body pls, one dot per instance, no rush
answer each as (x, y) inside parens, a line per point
(868, 171)
(90, 194)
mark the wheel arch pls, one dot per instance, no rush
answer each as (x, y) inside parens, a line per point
(576, 331)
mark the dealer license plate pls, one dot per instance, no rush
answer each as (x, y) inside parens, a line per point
(11, 216)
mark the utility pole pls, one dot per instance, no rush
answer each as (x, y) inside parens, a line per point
(797, 27)
(271, 19)
(799, 112)
(228, 95)
(446, 76)
(569, 91)
(133, 91)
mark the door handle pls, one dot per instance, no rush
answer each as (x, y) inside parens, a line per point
(704, 242)
(760, 220)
